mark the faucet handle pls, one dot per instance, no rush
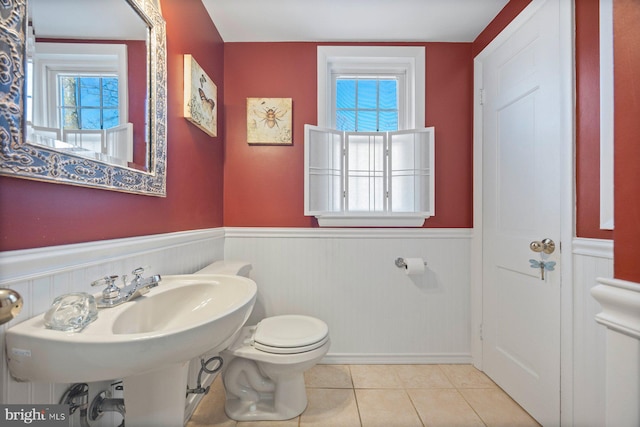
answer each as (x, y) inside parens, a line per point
(111, 291)
(138, 272)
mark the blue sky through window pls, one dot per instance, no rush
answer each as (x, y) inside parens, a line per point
(89, 102)
(366, 104)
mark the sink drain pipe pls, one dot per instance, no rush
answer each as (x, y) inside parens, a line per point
(103, 402)
(77, 397)
(203, 368)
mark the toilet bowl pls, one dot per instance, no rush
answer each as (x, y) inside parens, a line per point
(263, 371)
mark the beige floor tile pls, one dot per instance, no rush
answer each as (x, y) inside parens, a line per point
(330, 407)
(386, 408)
(286, 423)
(497, 409)
(422, 376)
(467, 376)
(210, 410)
(328, 376)
(375, 376)
(444, 408)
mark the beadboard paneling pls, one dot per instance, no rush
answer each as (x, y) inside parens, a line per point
(592, 258)
(375, 312)
(40, 275)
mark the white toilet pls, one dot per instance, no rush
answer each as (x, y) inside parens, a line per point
(264, 367)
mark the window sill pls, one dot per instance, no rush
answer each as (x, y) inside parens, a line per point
(371, 220)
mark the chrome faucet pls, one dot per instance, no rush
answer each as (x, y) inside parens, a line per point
(112, 295)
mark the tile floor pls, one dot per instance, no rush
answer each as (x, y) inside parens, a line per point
(387, 396)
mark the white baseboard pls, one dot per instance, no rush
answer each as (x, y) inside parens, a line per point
(395, 359)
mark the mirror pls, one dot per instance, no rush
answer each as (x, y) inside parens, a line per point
(86, 100)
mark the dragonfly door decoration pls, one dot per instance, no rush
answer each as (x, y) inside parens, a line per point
(542, 265)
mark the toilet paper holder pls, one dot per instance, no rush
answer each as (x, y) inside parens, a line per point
(401, 263)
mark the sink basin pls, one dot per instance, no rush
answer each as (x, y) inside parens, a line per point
(182, 318)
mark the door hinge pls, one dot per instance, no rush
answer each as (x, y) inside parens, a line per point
(481, 336)
(481, 96)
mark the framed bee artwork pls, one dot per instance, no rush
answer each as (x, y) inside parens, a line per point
(200, 97)
(269, 121)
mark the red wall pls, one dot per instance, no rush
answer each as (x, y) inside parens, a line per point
(626, 16)
(588, 121)
(264, 184)
(35, 214)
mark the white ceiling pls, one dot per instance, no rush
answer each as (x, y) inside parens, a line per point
(95, 19)
(352, 20)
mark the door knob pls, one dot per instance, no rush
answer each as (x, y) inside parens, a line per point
(545, 245)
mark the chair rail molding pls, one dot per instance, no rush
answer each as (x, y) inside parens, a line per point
(620, 301)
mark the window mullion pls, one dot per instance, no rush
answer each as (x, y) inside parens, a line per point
(387, 173)
(377, 104)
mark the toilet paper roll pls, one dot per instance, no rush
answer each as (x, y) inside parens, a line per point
(415, 266)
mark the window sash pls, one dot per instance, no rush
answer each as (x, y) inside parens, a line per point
(401, 102)
(73, 101)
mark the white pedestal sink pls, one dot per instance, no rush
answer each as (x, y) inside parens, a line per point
(148, 342)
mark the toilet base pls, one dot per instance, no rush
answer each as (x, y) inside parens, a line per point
(263, 410)
(288, 400)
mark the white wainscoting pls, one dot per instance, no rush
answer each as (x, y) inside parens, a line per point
(592, 258)
(348, 278)
(41, 274)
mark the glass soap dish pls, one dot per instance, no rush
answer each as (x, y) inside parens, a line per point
(71, 312)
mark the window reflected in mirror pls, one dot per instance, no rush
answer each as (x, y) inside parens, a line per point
(79, 98)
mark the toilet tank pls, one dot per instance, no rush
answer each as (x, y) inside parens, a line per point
(235, 268)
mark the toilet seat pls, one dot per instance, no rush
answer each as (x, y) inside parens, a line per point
(289, 334)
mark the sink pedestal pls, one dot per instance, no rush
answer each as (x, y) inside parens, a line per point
(156, 398)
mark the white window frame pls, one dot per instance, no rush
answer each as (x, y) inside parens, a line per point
(408, 61)
(51, 59)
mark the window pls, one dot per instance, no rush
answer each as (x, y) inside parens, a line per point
(369, 178)
(369, 66)
(80, 85)
(80, 99)
(88, 101)
(367, 103)
(364, 165)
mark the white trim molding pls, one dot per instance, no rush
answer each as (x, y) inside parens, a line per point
(620, 302)
(597, 248)
(351, 233)
(606, 115)
(396, 359)
(29, 264)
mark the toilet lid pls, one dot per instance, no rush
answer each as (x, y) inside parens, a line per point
(290, 334)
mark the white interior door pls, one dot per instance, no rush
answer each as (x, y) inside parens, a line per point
(522, 159)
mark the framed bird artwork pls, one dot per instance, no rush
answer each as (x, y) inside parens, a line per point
(200, 97)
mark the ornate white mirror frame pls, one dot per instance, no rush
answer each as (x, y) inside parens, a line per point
(19, 158)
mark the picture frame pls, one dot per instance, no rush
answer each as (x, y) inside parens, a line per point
(200, 97)
(269, 121)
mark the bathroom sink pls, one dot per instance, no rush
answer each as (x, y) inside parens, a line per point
(182, 318)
